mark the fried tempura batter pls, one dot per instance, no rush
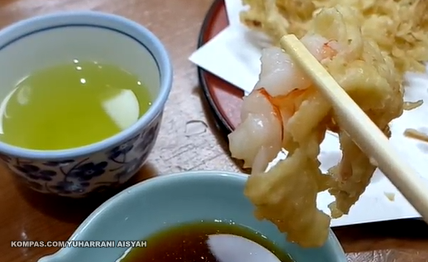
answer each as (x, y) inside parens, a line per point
(294, 116)
(399, 27)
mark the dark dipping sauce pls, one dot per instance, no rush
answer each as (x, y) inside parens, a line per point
(188, 243)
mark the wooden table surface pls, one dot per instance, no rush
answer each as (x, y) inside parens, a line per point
(188, 141)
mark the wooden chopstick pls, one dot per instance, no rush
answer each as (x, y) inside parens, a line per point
(361, 129)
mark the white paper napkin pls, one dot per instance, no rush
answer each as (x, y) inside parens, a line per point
(233, 7)
(212, 55)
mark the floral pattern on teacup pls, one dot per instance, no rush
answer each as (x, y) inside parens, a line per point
(86, 175)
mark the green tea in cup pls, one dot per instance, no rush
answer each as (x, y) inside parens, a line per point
(71, 105)
(82, 98)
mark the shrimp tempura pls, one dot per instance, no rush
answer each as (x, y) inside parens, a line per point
(286, 111)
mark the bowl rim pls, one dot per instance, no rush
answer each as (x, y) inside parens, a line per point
(163, 61)
(332, 245)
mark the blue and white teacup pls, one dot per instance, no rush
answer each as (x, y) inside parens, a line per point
(48, 40)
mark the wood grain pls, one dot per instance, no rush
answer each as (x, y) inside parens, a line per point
(188, 141)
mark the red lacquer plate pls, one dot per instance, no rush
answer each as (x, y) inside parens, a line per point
(224, 99)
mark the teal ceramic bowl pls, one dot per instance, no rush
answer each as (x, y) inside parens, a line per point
(161, 202)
